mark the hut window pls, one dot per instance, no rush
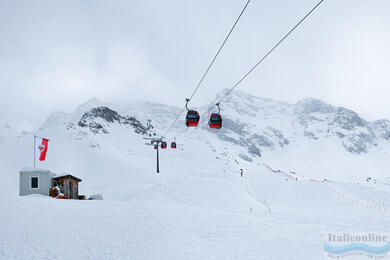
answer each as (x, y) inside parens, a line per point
(34, 182)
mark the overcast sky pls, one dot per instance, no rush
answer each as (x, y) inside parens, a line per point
(55, 55)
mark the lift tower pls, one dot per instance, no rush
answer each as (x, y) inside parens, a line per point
(155, 142)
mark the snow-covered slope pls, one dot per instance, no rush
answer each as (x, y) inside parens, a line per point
(270, 124)
(7, 131)
(199, 206)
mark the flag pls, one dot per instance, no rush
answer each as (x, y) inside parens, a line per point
(40, 147)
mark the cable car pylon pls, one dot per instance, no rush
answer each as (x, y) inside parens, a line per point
(156, 143)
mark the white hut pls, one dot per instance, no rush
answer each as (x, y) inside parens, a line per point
(35, 181)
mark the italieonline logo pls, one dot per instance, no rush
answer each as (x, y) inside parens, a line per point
(356, 246)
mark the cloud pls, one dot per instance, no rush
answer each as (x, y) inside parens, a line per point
(56, 55)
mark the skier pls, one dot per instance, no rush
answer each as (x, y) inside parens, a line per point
(242, 173)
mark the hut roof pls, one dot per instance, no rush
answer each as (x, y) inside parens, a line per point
(65, 175)
(31, 169)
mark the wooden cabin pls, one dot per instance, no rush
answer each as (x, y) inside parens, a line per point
(69, 185)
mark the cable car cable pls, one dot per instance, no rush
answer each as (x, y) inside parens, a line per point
(174, 121)
(259, 62)
(265, 56)
(210, 65)
(219, 50)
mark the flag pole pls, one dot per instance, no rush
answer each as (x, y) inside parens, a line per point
(34, 148)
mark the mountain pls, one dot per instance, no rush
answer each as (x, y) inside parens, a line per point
(257, 123)
(261, 124)
(307, 137)
(99, 117)
(307, 168)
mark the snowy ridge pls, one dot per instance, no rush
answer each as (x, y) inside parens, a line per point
(267, 123)
(100, 117)
(304, 137)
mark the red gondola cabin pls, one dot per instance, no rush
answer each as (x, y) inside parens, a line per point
(192, 118)
(215, 121)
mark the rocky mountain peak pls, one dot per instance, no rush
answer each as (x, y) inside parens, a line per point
(103, 112)
(312, 105)
(348, 119)
(99, 119)
(259, 124)
(383, 128)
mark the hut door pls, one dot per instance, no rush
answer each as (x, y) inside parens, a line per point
(70, 189)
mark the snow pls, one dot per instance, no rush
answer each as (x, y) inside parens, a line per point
(32, 169)
(64, 174)
(96, 197)
(198, 206)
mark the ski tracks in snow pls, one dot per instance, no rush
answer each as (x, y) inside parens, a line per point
(341, 192)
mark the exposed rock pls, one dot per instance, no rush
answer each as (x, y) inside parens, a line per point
(347, 119)
(312, 105)
(245, 157)
(358, 143)
(306, 120)
(383, 127)
(310, 135)
(261, 140)
(99, 118)
(282, 140)
(235, 127)
(252, 149)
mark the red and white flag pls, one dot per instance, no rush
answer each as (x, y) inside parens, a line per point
(41, 147)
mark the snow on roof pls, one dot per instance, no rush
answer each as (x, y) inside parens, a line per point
(66, 175)
(32, 169)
